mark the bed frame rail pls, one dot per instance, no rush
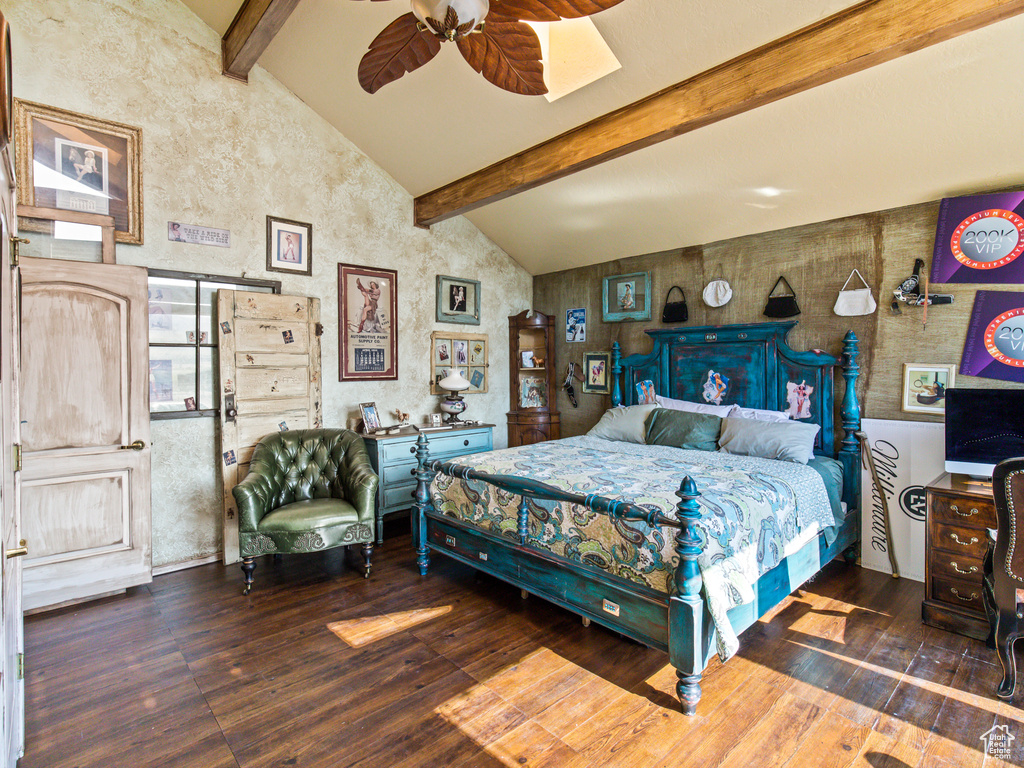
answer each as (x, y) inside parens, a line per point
(685, 604)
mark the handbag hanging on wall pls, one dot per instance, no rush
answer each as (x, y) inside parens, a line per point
(675, 311)
(854, 301)
(783, 305)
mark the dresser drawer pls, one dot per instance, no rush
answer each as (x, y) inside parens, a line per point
(398, 495)
(457, 443)
(972, 512)
(398, 473)
(946, 565)
(958, 592)
(960, 540)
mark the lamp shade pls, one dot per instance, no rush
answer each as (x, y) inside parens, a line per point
(454, 381)
(469, 12)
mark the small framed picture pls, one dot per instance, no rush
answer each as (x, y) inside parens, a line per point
(597, 370)
(924, 387)
(371, 419)
(626, 297)
(435, 419)
(458, 300)
(576, 324)
(528, 360)
(289, 246)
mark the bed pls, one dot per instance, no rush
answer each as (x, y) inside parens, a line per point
(676, 548)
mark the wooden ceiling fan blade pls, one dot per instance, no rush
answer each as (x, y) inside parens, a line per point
(508, 55)
(546, 10)
(400, 47)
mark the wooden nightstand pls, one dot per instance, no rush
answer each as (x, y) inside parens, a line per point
(394, 459)
(959, 512)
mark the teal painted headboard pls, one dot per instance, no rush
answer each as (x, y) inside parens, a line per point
(750, 365)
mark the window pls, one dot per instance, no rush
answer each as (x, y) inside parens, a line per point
(183, 340)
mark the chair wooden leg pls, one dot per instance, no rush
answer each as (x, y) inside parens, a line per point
(367, 553)
(248, 566)
(1005, 637)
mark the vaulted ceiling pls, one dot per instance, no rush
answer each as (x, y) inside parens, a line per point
(939, 121)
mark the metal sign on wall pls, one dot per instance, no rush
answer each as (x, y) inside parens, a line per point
(908, 456)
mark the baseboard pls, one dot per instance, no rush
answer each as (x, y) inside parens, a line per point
(160, 570)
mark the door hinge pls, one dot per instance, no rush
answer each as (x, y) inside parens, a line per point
(16, 456)
(15, 249)
(21, 666)
(319, 330)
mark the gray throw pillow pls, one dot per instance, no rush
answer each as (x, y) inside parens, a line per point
(788, 441)
(623, 424)
(683, 429)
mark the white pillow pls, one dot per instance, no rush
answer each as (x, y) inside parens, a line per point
(793, 441)
(623, 424)
(721, 411)
(759, 415)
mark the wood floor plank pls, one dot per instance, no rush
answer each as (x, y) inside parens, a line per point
(834, 742)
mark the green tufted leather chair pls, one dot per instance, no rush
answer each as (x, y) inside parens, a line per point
(307, 490)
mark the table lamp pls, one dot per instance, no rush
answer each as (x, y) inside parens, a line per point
(453, 405)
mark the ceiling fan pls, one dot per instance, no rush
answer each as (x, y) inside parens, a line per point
(504, 49)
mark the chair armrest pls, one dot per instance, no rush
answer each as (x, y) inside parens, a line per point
(255, 495)
(359, 481)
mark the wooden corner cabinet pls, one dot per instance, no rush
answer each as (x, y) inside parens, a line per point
(959, 512)
(531, 343)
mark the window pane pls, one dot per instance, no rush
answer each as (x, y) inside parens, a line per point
(207, 375)
(172, 378)
(60, 240)
(172, 311)
(208, 305)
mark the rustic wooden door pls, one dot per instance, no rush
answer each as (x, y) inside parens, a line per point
(12, 684)
(269, 348)
(85, 489)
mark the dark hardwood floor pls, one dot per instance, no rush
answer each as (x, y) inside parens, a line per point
(318, 667)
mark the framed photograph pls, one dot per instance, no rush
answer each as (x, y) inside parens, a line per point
(368, 323)
(435, 419)
(626, 297)
(371, 419)
(576, 324)
(597, 367)
(80, 163)
(528, 360)
(465, 351)
(458, 300)
(924, 387)
(289, 246)
(533, 392)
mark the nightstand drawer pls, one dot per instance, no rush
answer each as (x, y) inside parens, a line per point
(398, 495)
(963, 594)
(946, 565)
(972, 512)
(458, 443)
(960, 540)
(398, 473)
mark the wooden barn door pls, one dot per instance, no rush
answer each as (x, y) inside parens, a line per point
(85, 429)
(269, 349)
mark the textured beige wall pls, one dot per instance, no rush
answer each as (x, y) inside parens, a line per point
(224, 154)
(816, 259)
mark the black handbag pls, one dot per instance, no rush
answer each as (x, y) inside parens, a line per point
(675, 311)
(783, 305)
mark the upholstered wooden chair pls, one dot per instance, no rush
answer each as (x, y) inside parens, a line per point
(1004, 569)
(307, 490)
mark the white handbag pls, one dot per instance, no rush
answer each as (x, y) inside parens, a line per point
(856, 301)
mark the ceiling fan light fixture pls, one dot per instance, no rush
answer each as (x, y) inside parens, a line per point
(450, 19)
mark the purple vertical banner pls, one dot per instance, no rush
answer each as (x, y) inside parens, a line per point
(995, 337)
(980, 239)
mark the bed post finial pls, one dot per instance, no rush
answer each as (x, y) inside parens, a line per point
(686, 607)
(421, 504)
(849, 452)
(616, 375)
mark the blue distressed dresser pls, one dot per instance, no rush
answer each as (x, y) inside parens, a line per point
(394, 460)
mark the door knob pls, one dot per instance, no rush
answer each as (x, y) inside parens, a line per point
(18, 551)
(138, 445)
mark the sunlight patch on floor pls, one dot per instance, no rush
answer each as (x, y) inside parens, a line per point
(367, 629)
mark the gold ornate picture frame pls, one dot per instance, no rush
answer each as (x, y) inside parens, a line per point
(75, 162)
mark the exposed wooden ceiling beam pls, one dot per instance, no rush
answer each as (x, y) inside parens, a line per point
(255, 25)
(855, 39)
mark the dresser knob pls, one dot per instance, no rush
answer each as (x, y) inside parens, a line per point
(413, 449)
(972, 569)
(954, 537)
(465, 442)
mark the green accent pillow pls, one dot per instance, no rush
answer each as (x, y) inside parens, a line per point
(683, 429)
(788, 441)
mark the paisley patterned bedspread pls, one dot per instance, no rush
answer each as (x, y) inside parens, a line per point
(753, 508)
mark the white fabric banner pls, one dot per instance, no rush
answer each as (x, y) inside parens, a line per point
(908, 456)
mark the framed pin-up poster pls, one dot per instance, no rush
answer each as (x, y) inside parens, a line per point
(76, 162)
(368, 323)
